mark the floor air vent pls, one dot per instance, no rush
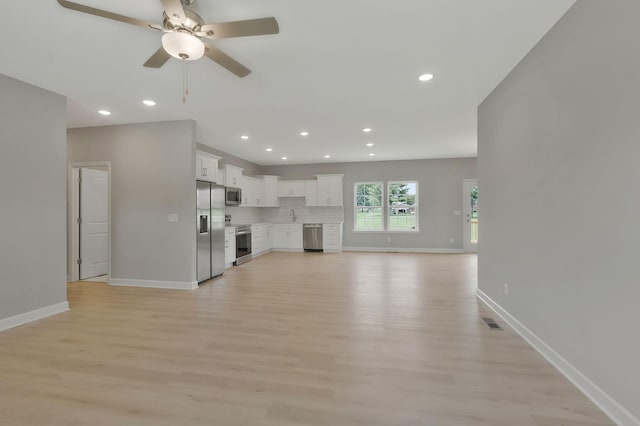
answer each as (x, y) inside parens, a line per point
(491, 324)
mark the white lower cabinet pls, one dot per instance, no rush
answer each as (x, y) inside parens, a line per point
(260, 239)
(287, 237)
(229, 245)
(332, 237)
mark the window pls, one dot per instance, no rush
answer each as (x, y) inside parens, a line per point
(368, 207)
(401, 206)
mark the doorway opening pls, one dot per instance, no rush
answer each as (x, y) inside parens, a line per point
(90, 222)
(470, 203)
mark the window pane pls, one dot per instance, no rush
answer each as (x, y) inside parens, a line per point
(369, 218)
(368, 207)
(369, 194)
(402, 207)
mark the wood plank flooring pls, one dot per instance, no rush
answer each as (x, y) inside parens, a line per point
(287, 339)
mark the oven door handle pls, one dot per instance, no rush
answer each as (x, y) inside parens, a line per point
(243, 233)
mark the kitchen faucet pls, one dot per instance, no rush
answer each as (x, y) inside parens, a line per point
(292, 213)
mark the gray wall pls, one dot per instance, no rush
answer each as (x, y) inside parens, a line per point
(32, 194)
(559, 146)
(440, 194)
(152, 175)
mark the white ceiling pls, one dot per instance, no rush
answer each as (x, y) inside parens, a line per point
(336, 66)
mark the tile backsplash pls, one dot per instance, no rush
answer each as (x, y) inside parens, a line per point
(304, 214)
(244, 215)
(282, 214)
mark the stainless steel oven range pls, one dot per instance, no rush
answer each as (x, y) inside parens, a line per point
(243, 244)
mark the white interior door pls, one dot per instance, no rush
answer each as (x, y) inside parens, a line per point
(470, 195)
(94, 224)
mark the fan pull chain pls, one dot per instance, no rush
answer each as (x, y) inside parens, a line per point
(185, 82)
(186, 90)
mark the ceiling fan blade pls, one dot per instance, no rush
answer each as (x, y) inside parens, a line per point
(158, 59)
(251, 27)
(108, 15)
(226, 61)
(174, 11)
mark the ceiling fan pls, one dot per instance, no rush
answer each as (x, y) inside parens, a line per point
(185, 33)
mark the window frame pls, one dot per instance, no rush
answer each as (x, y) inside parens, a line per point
(416, 206)
(386, 216)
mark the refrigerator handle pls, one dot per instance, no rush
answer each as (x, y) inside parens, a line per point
(204, 224)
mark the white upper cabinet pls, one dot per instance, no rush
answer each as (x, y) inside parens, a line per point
(270, 191)
(207, 166)
(233, 176)
(329, 190)
(252, 192)
(311, 193)
(291, 188)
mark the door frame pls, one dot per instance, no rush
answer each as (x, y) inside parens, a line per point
(73, 211)
(468, 248)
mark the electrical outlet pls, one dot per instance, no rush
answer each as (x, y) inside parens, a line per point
(388, 239)
(506, 289)
(452, 241)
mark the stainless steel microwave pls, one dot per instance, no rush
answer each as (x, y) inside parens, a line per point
(233, 196)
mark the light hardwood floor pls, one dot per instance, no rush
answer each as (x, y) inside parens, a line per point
(287, 339)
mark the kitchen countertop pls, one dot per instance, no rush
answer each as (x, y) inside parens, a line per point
(289, 223)
(303, 223)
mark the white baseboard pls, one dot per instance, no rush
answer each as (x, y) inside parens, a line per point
(34, 315)
(288, 250)
(606, 403)
(404, 250)
(171, 285)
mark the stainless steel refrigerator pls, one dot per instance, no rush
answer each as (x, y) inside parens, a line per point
(210, 230)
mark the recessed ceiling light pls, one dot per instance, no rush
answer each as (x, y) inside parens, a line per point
(149, 102)
(426, 77)
(244, 137)
(305, 133)
(284, 158)
(327, 156)
(370, 144)
(104, 112)
(371, 155)
(269, 149)
(367, 130)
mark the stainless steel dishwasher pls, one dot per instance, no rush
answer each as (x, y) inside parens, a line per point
(312, 236)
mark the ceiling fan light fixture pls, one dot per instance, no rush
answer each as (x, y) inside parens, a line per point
(183, 45)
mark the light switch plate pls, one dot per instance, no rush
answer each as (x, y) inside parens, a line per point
(173, 217)
(457, 212)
